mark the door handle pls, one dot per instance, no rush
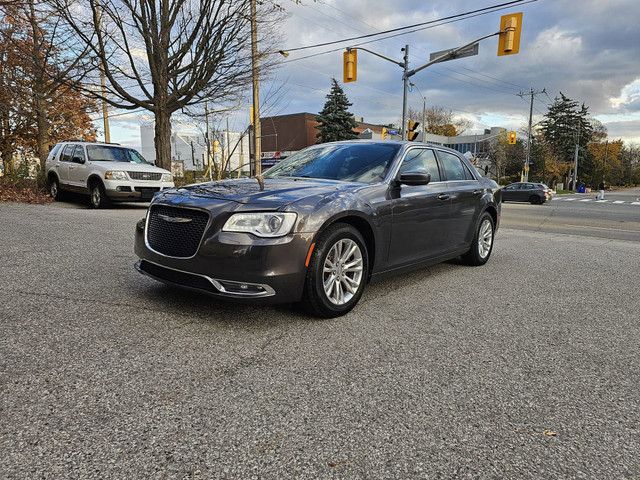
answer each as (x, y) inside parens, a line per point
(443, 196)
(477, 192)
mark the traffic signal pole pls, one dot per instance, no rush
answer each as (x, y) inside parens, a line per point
(448, 55)
(405, 79)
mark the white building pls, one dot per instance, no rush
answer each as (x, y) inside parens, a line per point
(189, 149)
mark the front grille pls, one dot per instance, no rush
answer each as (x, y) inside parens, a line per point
(145, 176)
(176, 232)
(175, 276)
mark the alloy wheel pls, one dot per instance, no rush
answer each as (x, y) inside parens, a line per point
(342, 271)
(485, 238)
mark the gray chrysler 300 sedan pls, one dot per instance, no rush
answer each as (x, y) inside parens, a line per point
(321, 224)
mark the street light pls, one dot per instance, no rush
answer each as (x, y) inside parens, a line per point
(424, 110)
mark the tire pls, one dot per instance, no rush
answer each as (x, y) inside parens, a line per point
(535, 200)
(54, 189)
(97, 196)
(330, 289)
(482, 244)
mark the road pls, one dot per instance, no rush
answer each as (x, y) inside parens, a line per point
(617, 217)
(526, 367)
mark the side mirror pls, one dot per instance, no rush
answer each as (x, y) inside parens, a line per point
(415, 178)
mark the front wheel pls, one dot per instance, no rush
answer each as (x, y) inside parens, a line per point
(482, 245)
(337, 272)
(97, 196)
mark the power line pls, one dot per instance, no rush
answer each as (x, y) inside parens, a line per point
(422, 24)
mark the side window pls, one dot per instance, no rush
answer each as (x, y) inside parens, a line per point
(67, 153)
(78, 154)
(421, 160)
(514, 186)
(527, 186)
(467, 173)
(453, 166)
(54, 151)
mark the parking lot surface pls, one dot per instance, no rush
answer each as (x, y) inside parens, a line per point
(527, 367)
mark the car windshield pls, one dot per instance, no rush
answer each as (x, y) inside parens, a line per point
(353, 162)
(104, 153)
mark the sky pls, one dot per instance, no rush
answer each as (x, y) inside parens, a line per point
(586, 49)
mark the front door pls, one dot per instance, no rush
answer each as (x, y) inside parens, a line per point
(78, 168)
(420, 213)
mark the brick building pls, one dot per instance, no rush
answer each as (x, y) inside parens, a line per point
(290, 133)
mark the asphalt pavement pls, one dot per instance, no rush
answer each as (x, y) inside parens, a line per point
(526, 367)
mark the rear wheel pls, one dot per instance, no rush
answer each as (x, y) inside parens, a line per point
(535, 200)
(97, 196)
(482, 245)
(337, 272)
(54, 189)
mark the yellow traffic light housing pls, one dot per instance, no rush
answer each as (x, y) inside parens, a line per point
(412, 134)
(512, 138)
(509, 41)
(350, 66)
(384, 133)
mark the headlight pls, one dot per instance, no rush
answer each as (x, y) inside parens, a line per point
(166, 177)
(271, 224)
(115, 175)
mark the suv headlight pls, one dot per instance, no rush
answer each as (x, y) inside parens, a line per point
(115, 175)
(268, 224)
(166, 177)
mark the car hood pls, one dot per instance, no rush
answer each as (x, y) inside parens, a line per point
(272, 191)
(131, 167)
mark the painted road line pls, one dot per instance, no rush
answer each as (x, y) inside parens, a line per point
(586, 200)
(635, 203)
(601, 201)
(619, 201)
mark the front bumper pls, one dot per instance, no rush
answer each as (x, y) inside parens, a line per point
(129, 190)
(233, 266)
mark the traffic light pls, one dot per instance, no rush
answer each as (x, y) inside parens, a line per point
(384, 133)
(411, 130)
(512, 138)
(509, 42)
(350, 66)
(216, 145)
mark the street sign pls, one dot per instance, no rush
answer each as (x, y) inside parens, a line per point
(464, 52)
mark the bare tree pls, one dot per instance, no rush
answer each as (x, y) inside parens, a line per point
(165, 55)
(440, 121)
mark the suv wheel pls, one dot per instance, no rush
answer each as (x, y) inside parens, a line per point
(97, 196)
(54, 189)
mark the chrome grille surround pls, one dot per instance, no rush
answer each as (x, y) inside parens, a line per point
(175, 231)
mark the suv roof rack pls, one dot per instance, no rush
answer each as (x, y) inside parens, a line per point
(74, 140)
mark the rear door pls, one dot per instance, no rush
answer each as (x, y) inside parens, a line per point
(466, 191)
(61, 167)
(420, 212)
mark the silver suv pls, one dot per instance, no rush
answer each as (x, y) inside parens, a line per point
(105, 171)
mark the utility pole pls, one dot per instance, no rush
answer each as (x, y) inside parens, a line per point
(424, 110)
(528, 158)
(575, 159)
(604, 161)
(208, 139)
(257, 131)
(103, 83)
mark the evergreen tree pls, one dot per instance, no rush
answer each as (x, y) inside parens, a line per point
(336, 123)
(566, 123)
